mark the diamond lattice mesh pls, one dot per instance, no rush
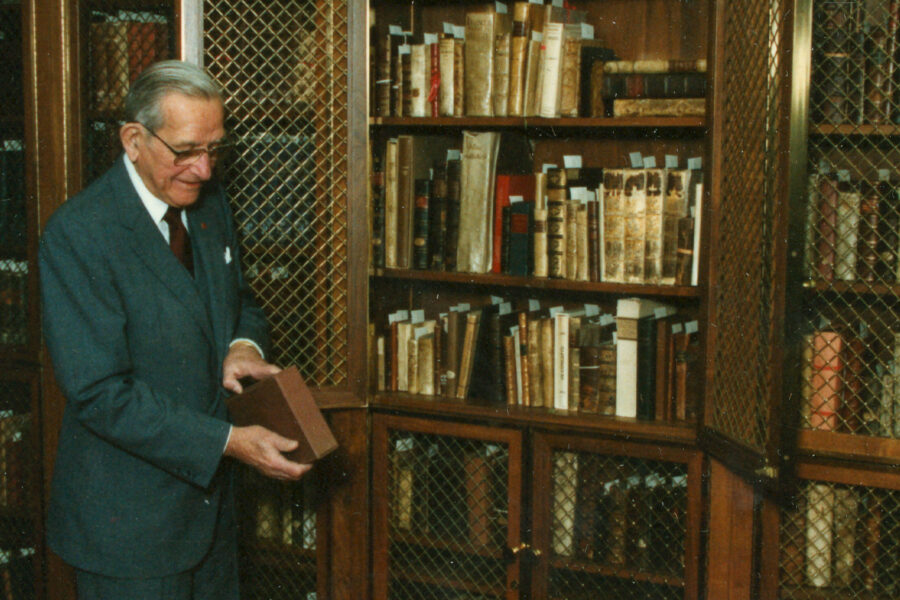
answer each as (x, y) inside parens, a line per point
(748, 208)
(278, 537)
(617, 524)
(851, 381)
(447, 517)
(120, 44)
(283, 66)
(840, 541)
(17, 543)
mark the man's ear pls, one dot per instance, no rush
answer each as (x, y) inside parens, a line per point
(130, 134)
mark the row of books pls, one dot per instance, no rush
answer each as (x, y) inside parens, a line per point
(853, 228)
(284, 515)
(13, 302)
(438, 208)
(618, 513)
(844, 538)
(121, 45)
(855, 74)
(452, 493)
(641, 362)
(541, 60)
(13, 452)
(13, 230)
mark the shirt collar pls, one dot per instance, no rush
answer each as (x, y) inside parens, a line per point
(156, 207)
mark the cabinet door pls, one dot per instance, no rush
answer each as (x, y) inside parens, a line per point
(749, 169)
(620, 517)
(446, 520)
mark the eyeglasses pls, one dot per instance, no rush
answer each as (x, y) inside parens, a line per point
(216, 151)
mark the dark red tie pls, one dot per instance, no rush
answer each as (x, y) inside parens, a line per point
(179, 240)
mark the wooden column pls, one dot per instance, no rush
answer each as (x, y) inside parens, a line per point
(730, 570)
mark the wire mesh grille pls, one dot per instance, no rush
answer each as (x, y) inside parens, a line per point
(17, 533)
(11, 91)
(617, 523)
(283, 66)
(841, 541)
(120, 44)
(851, 381)
(748, 209)
(278, 537)
(447, 517)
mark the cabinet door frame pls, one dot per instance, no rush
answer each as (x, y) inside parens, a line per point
(543, 447)
(382, 424)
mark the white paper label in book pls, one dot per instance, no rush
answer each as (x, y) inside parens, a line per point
(578, 193)
(884, 175)
(587, 31)
(649, 162)
(671, 161)
(533, 304)
(537, 36)
(555, 310)
(607, 319)
(615, 338)
(691, 327)
(843, 175)
(454, 154)
(572, 161)
(637, 161)
(677, 327)
(513, 330)
(558, 3)
(404, 49)
(418, 316)
(505, 308)
(501, 8)
(515, 199)
(395, 30)
(695, 163)
(591, 310)
(459, 32)
(546, 167)
(464, 307)
(420, 331)
(496, 300)
(430, 38)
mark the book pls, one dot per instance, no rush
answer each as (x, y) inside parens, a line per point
(391, 203)
(826, 228)
(520, 238)
(629, 313)
(846, 520)
(879, 31)
(846, 230)
(419, 79)
(283, 404)
(560, 360)
(502, 60)
(535, 371)
(382, 76)
(505, 187)
(518, 57)
(655, 66)
(438, 218)
(654, 230)
(467, 353)
(570, 72)
(451, 98)
(659, 107)
(474, 246)
(827, 367)
(556, 223)
(677, 236)
(481, 27)
(378, 212)
(539, 236)
(533, 71)
(421, 225)
(613, 218)
(553, 44)
(634, 198)
(565, 483)
(479, 509)
(819, 534)
(451, 240)
(649, 85)
(571, 237)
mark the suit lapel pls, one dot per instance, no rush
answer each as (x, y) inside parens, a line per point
(150, 247)
(209, 256)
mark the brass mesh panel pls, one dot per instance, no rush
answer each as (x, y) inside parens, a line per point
(447, 519)
(851, 381)
(841, 541)
(17, 529)
(284, 69)
(748, 208)
(278, 537)
(120, 44)
(618, 524)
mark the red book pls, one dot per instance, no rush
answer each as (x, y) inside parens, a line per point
(507, 185)
(826, 381)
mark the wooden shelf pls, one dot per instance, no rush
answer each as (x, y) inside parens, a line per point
(887, 129)
(539, 123)
(584, 566)
(457, 545)
(456, 581)
(681, 433)
(264, 551)
(848, 445)
(812, 593)
(860, 288)
(670, 291)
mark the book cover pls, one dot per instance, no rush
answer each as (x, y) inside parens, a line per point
(283, 404)
(521, 33)
(613, 217)
(847, 231)
(556, 223)
(520, 237)
(678, 182)
(479, 63)
(629, 313)
(506, 186)
(570, 72)
(474, 247)
(654, 226)
(634, 199)
(552, 47)
(659, 107)
(827, 366)
(502, 65)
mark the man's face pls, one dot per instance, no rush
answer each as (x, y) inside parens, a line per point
(187, 123)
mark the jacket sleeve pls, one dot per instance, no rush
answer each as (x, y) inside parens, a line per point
(85, 323)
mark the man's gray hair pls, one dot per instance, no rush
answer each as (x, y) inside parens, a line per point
(142, 104)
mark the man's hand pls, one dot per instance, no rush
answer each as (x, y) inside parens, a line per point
(241, 361)
(262, 449)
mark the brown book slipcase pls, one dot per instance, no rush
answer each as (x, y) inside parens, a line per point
(283, 404)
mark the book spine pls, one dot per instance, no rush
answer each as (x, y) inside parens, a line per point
(646, 369)
(556, 223)
(447, 59)
(383, 76)
(570, 73)
(847, 232)
(437, 215)
(554, 36)
(571, 208)
(421, 223)
(593, 236)
(826, 380)
(867, 264)
(826, 238)
(659, 107)
(518, 58)
(613, 217)
(524, 367)
(378, 210)
(479, 64)
(676, 209)
(653, 234)
(535, 373)
(451, 239)
(502, 60)
(635, 201)
(434, 89)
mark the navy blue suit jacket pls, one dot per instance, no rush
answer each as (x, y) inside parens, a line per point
(137, 345)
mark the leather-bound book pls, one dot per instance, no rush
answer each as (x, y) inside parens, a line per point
(477, 474)
(612, 215)
(867, 245)
(419, 79)
(819, 534)
(391, 203)
(879, 29)
(659, 107)
(675, 209)
(397, 42)
(846, 523)
(634, 198)
(554, 42)
(520, 238)
(571, 216)
(381, 381)
(437, 218)
(593, 237)
(412, 361)
(406, 84)
(378, 209)
(425, 368)
(524, 368)
(582, 242)
(421, 250)
(827, 368)
(474, 250)
(847, 230)
(507, 186)
(509, 369)
(405, 330)
(826, 231)
(518, 58)
(451, 351)
(888, 230)
(467, 353)
(486, 384)
(434, 80)
(382, 76)
(447, 62)
(502, 65)
(868, 565)
(565, 485)
(545, 352)
(479, 63)
(556, 223)
(570, 72)
(283, 404)
(653, 225)
(451, 240)
(403, 483)
(661, 65)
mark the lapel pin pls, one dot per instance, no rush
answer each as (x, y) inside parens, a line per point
(202, 225)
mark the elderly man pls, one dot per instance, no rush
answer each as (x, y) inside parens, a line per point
(148, 319)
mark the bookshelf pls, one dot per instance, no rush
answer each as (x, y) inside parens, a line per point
(542, 488)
